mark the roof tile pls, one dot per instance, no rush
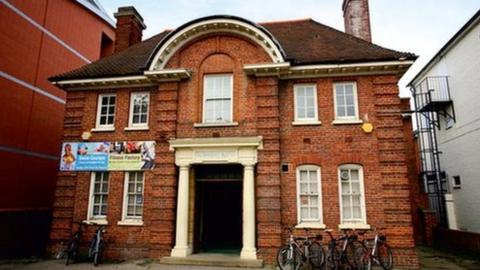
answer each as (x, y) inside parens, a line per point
(304, 42)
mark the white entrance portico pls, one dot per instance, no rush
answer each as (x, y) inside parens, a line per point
(240, 150)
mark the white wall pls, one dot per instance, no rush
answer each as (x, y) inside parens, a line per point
(461, 143)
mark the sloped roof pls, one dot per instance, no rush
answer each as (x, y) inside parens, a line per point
(303, 41)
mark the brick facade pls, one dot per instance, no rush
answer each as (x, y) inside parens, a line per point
(263, 106)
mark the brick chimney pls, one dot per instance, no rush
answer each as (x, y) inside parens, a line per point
(357, 18)
(129, 28)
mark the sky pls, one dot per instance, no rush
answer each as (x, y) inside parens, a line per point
(418, 26)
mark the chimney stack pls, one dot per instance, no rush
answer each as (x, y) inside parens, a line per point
(357, 18)
(129, 28)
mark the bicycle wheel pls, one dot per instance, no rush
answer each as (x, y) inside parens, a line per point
(288, 258)
(316, 255)
(97, 258)
(71, 251)
(355, 253)
(332, 259)
(385, 256)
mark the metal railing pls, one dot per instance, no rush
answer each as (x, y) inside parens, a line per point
(432, 90)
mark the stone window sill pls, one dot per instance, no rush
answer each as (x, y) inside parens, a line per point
(357, 226)
(96, 222)
(310, 225)
(103, 129)
(129, 222)
(306, 123)
(201, 125)
(347, 122)
(145, 128)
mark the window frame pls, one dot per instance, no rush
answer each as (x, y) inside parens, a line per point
(311, 223)
(126, 220)
(351, 223)
(346, 119)
(99, 126)
(132, 125)
(99, 219)
(305, 120)
(205, 76)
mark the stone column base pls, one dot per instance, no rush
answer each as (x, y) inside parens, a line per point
(248, 254)
(181, 251)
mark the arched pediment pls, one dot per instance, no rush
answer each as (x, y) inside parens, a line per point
(213, 24)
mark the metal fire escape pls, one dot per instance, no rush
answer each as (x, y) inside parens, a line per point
(432, 103)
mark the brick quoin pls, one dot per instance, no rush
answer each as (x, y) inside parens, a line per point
(263, 106)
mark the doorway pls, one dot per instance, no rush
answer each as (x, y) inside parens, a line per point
(218, 209)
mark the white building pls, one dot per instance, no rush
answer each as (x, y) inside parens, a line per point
(447, 96)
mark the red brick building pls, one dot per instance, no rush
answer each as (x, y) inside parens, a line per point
(256, 127)
(39, 39)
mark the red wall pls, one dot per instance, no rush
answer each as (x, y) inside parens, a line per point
(28, 120)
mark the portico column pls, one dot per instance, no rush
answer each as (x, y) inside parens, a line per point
(248, 251)
(181, 248)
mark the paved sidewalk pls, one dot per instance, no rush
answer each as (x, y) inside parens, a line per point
(430, 259)
(129, 265)
(434, 259)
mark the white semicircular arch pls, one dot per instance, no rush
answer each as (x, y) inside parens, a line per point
(168, 49)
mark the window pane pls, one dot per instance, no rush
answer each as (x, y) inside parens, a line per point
(105, 187)
(131, 187)
(136, 109)
(304, 213)
(96, 210)
(313, 188)
(314, 212)
(348, 89)
(356, 200)
(351, 111)
(314, 201)
(357, 212)
(139, 211)
(110, 120)
(303, 188)
(111, 110)
(131, 199)
(345, 188)
(144, 107)
(103, 120)
(130, 210)
(304, 200)
(340, 111)
(355, 187)
(103, 210)
(339, 89)
(136, 118)
(346, 213)
(143, 118)
(303, 176)
(310, 112)
(349, 100)
(354, 175)
(104, 101)
(346, 201)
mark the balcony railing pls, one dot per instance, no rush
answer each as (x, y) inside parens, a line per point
(432, 94)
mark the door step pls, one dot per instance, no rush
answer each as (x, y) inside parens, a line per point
(213, 259)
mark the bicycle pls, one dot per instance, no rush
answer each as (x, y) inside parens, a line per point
(300, 251)
(97, 246)
(378, 251)
(346, 254)
(71, 251)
